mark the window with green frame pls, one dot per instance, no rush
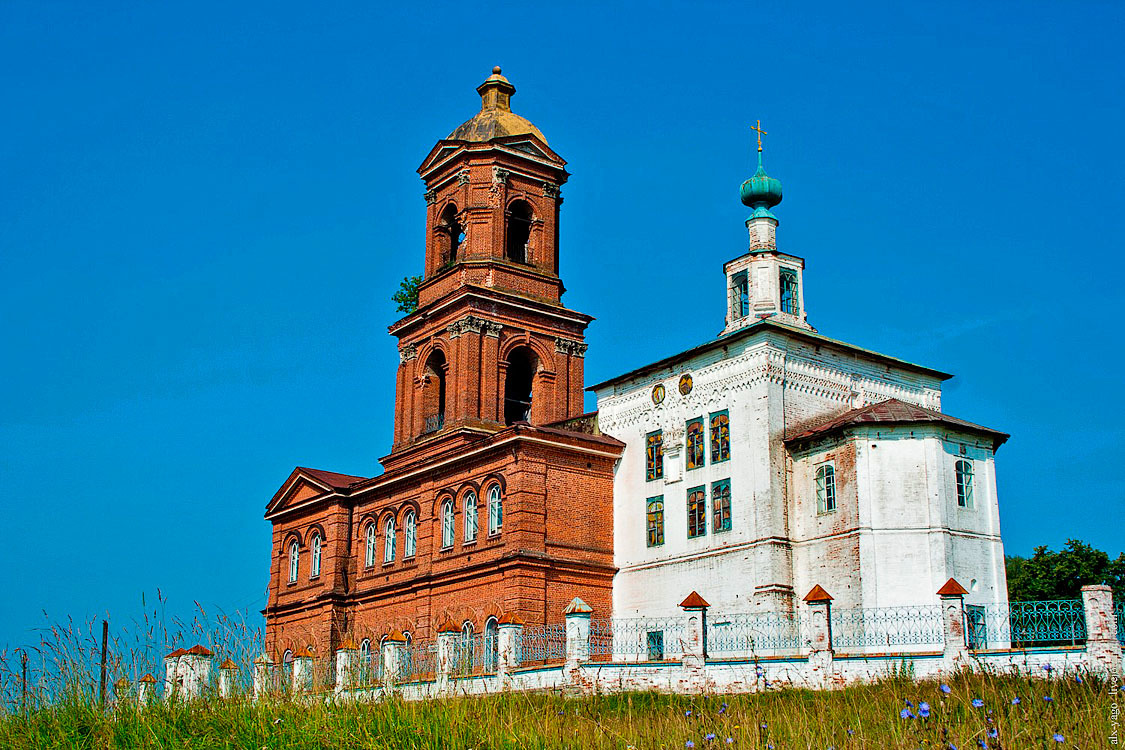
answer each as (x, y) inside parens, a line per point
(720, 437)
(654, 512)
(696, 457)
(720, 506)
(654, 456)
(696, 512)
(790, 300)
(826, 488)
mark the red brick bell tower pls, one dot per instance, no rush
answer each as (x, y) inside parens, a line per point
(490, 343)
(496, 497)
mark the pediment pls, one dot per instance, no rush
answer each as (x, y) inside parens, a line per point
(308, 484)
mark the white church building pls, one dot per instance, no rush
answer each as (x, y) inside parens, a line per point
(773, 459)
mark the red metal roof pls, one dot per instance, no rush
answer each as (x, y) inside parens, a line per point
(694, 601)
(818, 594)
(331, 478)
(952, 588)
(893, 411)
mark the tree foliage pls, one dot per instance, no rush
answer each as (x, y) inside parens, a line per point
(1061, 575)
(407, 295)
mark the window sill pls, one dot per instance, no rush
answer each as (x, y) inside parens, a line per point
(314, 579)
(723, 531)
(473, 543)
(822, 513)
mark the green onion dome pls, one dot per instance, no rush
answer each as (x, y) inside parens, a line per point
(761, 192)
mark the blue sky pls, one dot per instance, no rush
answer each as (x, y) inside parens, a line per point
(205, 207)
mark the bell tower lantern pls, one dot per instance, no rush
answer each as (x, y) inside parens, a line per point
(490, 343)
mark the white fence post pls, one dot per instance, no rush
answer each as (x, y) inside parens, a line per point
(345, 666)
(956, 650)
(820, 635)
(447, 637)
(695, 645)
(144, 689)
(263, 670)
(1102, 647)
(173, 686)
(228, 670)
(577, 615)
(302, 670)
(508, 637)
(392, 657)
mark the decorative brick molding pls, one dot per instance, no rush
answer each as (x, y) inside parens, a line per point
(572, 348)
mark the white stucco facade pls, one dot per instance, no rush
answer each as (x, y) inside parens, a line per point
(897, 532)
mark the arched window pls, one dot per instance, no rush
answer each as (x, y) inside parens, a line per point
(491, 644)
(654, 456)
(826, 489)
(697, 512)
(447, 524)
(294, 560)
(495, 510)
(519, 231)
(790, 301)
(655, 518)
(964, 474)
(287, 669)
(365, 661)
(314, 569)
(695, 441)
(452, 234)
(372, 535)
(389, 540)
(522, 364)
(409, 535)
(470, 516)
(720, 437)
(433, 392)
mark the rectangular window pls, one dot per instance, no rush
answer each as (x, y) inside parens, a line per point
(741, 294)
(655, 644)
(964, 476)
(654, 456)
(790, 301)
(825, 488)
(654, 507)
(720, 506)
(720, 437)
(695, 449)
(696, 512)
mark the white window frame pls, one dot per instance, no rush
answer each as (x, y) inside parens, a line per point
(372, 540)
(294, 561)
(448, 525)
(389, 534)
(824, 486)
(409, 535)
(495, 510)
(470, 521)
(314, 568)
(963, 482)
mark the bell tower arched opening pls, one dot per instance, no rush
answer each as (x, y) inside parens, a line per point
(433, 392)
(452, 234)
(518, 385)
(518, 231)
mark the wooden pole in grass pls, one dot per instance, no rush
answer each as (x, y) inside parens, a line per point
(23, 691)
(101, 682)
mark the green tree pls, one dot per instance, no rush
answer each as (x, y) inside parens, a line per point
(1061, 575)
(407, 295)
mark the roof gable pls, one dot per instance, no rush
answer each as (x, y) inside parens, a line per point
(895, 412)
(306, 484)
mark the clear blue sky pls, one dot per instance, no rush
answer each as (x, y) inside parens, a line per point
(205, 207)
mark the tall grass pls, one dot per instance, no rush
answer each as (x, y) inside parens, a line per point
(62, 710)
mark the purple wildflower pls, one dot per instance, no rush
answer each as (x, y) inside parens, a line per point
(924, 710)
(723, 708)
(709, 737)
(977, 703)
(907, 701)
(851, 732)
(1048, 698)
(994, 733)
(1059, 737)
(1016, 701)
(689, 743)
(1078, 678)
(1046, 667)
(945, 689)
(982, 743)
(905, 714)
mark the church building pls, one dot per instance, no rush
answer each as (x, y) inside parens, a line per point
(773, 459)
(749, 468)
(494, 498)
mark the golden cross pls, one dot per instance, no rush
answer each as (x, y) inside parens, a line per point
(761, 132)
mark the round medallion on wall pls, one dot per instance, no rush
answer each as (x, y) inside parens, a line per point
(658, 394)
(685, 385)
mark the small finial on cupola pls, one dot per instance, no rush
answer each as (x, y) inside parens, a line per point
(761, 193)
